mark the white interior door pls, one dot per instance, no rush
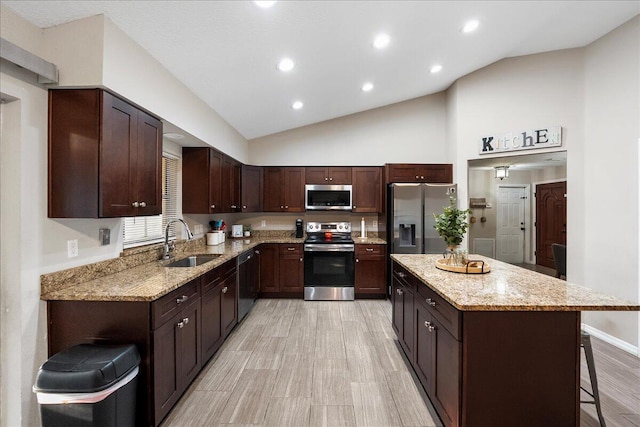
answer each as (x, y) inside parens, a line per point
(511, 224)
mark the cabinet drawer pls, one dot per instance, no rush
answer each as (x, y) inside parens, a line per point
(166, 307)
(404, 277)
(444, 312)
(370, 250)
(291, 249)
(214, 277)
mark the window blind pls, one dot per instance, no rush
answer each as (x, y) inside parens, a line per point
(145, 230)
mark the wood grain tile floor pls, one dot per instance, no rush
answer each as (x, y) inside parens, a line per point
(337, 364)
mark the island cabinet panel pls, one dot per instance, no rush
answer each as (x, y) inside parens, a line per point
(105, 156)
(489, 367)
(335, 175)
(371, 271)
(416, 172)
(218, 309)
(368, 189)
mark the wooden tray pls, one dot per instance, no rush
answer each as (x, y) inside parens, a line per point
(472, 267)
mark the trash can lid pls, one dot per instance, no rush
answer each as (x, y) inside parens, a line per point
(86, 368)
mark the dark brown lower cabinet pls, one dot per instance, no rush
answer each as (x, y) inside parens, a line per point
(175, 334)
(371, 271)
(489, 368)
(281, 270)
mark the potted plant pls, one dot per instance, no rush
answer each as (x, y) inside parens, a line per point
(452, 225)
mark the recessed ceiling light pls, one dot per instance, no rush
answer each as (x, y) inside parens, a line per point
(470, 26)
(264, 4)
(297, 105)
(174, 136)
(367, 87)
(381, 41)
(286, 64)
(435, 69)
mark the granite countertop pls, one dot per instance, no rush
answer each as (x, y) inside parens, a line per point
(508, 288)
(151, 280)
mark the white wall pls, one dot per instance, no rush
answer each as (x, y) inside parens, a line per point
(414, 130)
(610, 180)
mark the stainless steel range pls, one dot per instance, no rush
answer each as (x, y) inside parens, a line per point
(329, 262)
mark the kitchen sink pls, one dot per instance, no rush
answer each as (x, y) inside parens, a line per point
(192, 261)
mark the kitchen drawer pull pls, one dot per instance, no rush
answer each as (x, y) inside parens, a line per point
(182, 299)
(257, 252)
(291, 249)
(183, 322)
(401, 274)
(431, 302)
(429, 326)
(143, 204)
(135, 204)
(369, 249)
(233, 206)
(213, 206)
(224, 290)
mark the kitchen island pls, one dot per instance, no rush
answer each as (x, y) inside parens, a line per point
(501, 348)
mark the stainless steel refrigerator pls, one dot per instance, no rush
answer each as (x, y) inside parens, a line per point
(411, 209)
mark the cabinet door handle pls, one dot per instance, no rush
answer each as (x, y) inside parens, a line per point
(421, 177)
(233, 206)
(354, 206)
(291, 249)
(224, 290)
(429, 326)
(300, 259)
(143, 204)
(326, 179)
(330, 179)
(401, 274)
(399, 291)
(135, 204)
(417, 177)
(182, 299)
(213, 206)
(357, 260)
(286, 207)
(181, 324)
(431, 302)
(244, 207)
(185, 320)
(281, 207)
(257, 252)
(369, 249)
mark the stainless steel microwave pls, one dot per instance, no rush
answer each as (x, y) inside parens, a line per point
(327, 197)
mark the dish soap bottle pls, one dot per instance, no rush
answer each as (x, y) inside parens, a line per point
(363, 229)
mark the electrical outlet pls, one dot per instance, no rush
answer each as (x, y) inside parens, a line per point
(197, 229)
(375, 224)
(72, 248)
(263, 223)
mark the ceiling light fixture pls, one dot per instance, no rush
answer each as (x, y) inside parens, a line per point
(297, 105)
(435, 69)
(501, 172)
(368, 86)
(264, 4)
(286, 64)
(381, 41)
(470, 26)
(173, 135)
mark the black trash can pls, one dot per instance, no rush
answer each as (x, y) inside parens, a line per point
(89, 385)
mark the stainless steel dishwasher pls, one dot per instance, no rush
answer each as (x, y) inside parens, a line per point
(248, 279)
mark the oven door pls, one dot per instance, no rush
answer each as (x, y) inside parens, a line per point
(329, 265)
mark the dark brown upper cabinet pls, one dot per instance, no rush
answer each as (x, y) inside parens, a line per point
(367, 189)
(328, 175)
(105, 156)
(413, 172)
(251, 188)
(283, 189)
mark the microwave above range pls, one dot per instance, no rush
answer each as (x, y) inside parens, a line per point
(327, 197)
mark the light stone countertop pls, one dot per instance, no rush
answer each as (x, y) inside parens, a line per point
(508, 288)
(151, 280)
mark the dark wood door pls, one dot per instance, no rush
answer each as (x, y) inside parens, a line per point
(425, 347)
(269, 267)
(446, 372)
(118, 152)
(340, 175)
(189, 346)
(317, 175)
(407, 321)
(371, 270)
(251, 192)
(397, 307)
(291, 268)
(230, 185)
(273, 190)
(148, 168)
(229, 306)
(211, 322)
(215, 182)
(166, 387)
(416, 172)
(437, 173)
(367, 189)
(294, 182)
(551, 220)
(195, 180)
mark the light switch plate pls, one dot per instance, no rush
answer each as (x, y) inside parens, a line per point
(105, 236)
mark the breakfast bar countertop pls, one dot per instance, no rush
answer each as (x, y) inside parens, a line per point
(508, 288)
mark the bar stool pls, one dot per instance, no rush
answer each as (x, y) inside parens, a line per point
(560, 260)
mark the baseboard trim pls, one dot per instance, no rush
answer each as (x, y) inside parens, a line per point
(610, 339)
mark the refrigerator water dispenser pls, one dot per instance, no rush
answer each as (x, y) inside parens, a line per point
(407, 235)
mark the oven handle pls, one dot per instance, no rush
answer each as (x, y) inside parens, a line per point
(328, 248)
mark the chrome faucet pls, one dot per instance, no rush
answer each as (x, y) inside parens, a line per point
(169, 247)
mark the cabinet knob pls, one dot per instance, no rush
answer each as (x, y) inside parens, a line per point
(281, 207)
(291, 249)
(244, 207)
(224, 290)
(257, 252)
(143, 204)
(326, 179)
(401, 274)
(399, 291)
(135, 204)
(429, 326)
(417, 177)
(421, 177)
(233, 206)
(357, 260)
(213, 206)
(330, 179)
(431, 302)
(286, 207)
(182, 299)
(181, 324)
(354, 206)
(300, 259)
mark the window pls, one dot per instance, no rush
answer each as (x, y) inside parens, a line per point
(144, 230)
